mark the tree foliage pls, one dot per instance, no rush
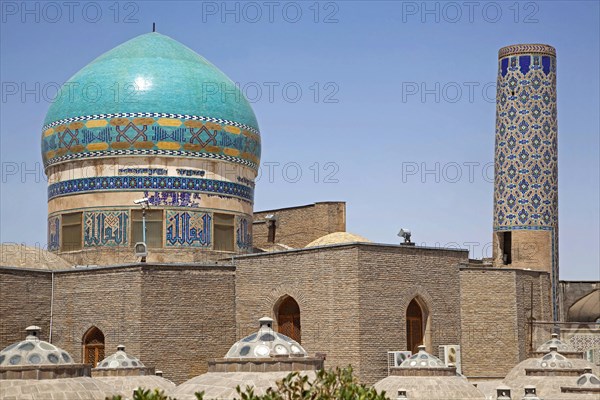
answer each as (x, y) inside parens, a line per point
(327, 385)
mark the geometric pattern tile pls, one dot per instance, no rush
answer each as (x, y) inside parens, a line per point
(526, 159)
(142, 152)
(149, 134)
(153, 183)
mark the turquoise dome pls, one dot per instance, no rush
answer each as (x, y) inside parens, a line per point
(151, 96)
(151, 73)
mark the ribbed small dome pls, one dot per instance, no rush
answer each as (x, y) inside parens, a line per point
(265, 343)
(555, 360)
(32, 351)
(588, 379)
(422, 360)
(555, 342)
(120, 360)
(553, 371)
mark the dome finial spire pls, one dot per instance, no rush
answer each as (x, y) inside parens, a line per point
(154, 27)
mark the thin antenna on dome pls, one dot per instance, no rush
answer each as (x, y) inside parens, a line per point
(154, 27)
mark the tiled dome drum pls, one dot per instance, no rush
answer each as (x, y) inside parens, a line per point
(153, 120)
(33, 351)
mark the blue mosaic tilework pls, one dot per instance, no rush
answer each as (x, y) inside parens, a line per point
(171, 153)
(54, 233)
(148, 134)
(173, 198)
(526, 167)
(188, 228)
(243, 235)
(149, 115)
(105, 228)
(526, 159)
(151, 95)
(150, 183)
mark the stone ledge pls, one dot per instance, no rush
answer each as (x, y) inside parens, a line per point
(39, 372)
(554, 371)
(274, 364)
(97, 372)
(580, 355)
(445, 371)
(579, 389)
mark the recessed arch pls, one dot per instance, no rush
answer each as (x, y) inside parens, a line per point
(287, 312)
(93, 346)
(417, 325)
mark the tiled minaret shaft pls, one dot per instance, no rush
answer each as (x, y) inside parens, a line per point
(526, 161)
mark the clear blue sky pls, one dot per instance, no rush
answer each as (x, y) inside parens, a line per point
(366, 58)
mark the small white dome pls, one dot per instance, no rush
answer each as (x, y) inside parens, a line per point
(265, 343)
(422, 360)
(555, 342)
(120, 360)
(32, 351)
(588, 379)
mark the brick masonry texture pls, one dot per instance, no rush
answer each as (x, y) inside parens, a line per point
(298, 226)
(173, 318)
(325, 285)
(495, 307)
(353, 298)
(390, 277)
(188, 317)
(24, 301)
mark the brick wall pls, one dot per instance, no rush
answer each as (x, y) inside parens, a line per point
(390, 277)
(530, 249)
(171, 317)
(323, 282)
(298, 226)
(495, 307)
(24, 301)
(533, 299)
(107, 298)
(353, 298)
(489, 321)
(188, 317)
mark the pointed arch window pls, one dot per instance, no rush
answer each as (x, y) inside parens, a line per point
(93, 346)
(288, 319)
(414, 326)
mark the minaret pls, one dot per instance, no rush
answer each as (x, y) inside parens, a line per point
(526, 162)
